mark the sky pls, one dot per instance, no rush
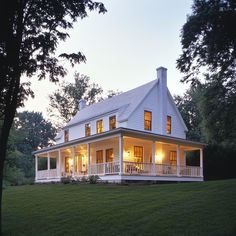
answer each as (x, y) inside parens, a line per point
(123, 47)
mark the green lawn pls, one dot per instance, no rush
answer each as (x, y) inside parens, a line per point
(207, 208)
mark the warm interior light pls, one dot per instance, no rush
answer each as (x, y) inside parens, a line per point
(70, 161)
(159, 157)
(126, 155)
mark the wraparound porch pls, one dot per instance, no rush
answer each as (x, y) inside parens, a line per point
(122, 157)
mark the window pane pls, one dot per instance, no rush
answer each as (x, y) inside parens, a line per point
(66, 135)
(87, 130)
(112, 122)
(147, 120)
(168, 125)
(99, 126)
(138, 153)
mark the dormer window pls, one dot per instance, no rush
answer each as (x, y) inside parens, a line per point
(99, 126)
(66, 135)
(112, 122)
(168, 125)
(147, 120)
(87, 129)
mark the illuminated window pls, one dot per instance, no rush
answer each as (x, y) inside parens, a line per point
(99, 126)
(99, 156)
(112, 122)
(168, 125)
(173, 158)
(147, 120)
(109, 155)
(138, 153)
(87, 129)
(66, 135)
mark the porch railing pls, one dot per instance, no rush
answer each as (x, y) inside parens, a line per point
(163, 169)
(105, 168)
(132, 168)
(140, 168)
(45, 174)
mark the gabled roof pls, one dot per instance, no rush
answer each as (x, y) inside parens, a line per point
(124, 104)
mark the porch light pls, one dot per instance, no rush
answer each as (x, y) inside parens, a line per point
(159, 157)
(126, 154)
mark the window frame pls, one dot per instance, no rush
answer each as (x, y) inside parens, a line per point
(98, 128)
(112, 125)
(66, 135)
(99, 156)
(173, 158)
(147, 123)
(87, 129)
(109, 155)
(168, 124)
(140, 154)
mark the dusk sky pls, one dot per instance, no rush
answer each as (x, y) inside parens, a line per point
(124, 46)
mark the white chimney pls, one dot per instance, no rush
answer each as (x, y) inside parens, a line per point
(82, 104)
(162, 97)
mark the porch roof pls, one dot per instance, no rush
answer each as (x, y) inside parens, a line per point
(124, 132)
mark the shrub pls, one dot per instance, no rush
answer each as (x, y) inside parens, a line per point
(84, 179)
(66, 179)
(93, 179)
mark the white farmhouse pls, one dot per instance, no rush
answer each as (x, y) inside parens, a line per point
(137, 135)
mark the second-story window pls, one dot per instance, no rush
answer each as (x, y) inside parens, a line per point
(147, 120)
(112, 122)
(99, 126)
(87, 129)
(66, 135)
(168, 125)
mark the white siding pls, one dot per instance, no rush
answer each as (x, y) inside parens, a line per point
(152, 103)
(78, 131)
(177, 129)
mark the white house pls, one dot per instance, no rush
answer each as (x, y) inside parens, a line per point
(137, 135)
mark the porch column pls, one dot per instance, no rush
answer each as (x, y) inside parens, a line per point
(185, 158)
(201, 162)
(48, 156)
(178, 160)
(59, 164)
(73, 158)
(88, 154)
(36, 167)
(153, 158)
(121, 144)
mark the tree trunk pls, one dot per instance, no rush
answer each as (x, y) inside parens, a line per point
(3, 149)
(9, 114)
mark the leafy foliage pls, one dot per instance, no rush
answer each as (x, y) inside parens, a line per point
(188, 105)
(209, 40)
(29, 35)
(64, 102)
(29, 132)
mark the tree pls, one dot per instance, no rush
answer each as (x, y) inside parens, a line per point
(29, 34)
(64, 102)
(218, 111)
(209, 40)
(188, 105)
(29, 132)
(35, 133)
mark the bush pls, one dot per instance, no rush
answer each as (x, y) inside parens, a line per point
(66, 179)
(93, 179)
(14, 176)
(84, 179)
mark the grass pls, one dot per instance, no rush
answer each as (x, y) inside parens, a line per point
(207, 208)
